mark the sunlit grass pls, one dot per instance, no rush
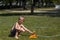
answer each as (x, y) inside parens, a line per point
(43, 25)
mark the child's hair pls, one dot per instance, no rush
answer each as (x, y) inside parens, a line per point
(20, 17)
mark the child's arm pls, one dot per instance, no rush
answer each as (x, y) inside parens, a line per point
(17, 26)
(12, 27)
(26, 29)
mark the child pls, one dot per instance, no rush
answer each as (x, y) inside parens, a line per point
(19, 27)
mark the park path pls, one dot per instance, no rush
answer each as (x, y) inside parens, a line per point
(40, 10)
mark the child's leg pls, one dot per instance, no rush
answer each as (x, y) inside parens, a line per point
(22, 29)
(16, 35)
(19, 33)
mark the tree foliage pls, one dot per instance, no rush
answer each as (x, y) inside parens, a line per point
(56, 1)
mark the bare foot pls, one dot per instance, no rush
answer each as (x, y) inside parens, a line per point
(16, 37)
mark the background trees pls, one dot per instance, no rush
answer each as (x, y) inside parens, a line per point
(37, 3)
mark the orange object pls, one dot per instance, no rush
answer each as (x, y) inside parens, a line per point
(33, 36)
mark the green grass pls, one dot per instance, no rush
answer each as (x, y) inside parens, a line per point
(46, 27)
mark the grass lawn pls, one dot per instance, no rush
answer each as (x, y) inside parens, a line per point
(47, 28)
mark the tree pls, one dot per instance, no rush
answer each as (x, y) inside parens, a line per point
(56, 1)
